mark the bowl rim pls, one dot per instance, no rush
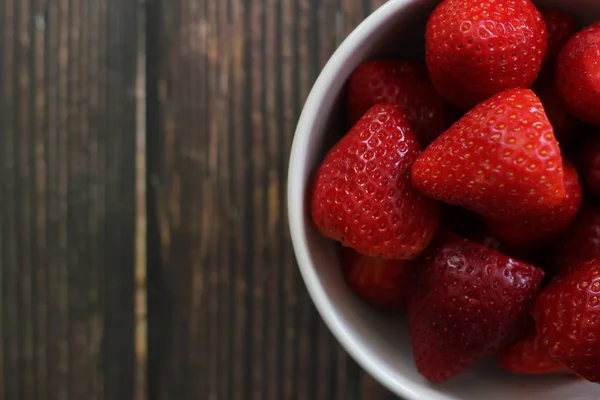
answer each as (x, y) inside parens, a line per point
(319, 94)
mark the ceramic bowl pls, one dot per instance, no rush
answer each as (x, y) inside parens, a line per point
(378, 342)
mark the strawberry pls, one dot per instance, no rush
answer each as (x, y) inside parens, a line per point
(404, 83)
(466, 302)
(528, 356)
(565, 126)
(578, 74)
(561, 27)
(362, 195)
(581, 241)
(590, 163)
(475, 49)
(566, 318)
(500, 160)
(381, 283)
(536, 229)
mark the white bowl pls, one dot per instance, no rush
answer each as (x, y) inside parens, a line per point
(380, 343)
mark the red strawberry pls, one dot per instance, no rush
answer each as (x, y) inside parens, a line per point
(561, 27)
(578, 74)
(581, 241)
(567, 319)
(404, 83)
(466, 302)
(381, 283)
(535, 229)
(500, 160)
(565, 126)
(475, 49)
(528, 356)
(590, 163)
(362, 194)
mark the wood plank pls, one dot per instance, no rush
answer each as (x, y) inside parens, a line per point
(229, 317)
(67, 204)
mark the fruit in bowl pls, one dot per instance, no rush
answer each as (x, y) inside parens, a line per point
(503, 298)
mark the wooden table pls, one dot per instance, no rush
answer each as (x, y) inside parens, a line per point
(144, 246)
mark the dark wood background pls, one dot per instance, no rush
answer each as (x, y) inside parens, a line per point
(144, 246)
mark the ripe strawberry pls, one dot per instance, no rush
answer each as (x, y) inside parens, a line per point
(561, 27)
(528, 356)
(590, 163)
(566, 318)
(362, 194)
(500, 160)
(536, 229)
(578, 74)
(475, 49)
(581, 241)
(565, 126)
(466, 302)
(404, 83)
(381, 283)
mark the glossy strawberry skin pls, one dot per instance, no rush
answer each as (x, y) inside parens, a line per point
(537, 229)
(500, 160)
(362, 195)
(580, 242)
(578, 74)
(404, 83)
(528, 356)
(466, 302)
(567, 318)
(561, 27)
(475, 49)
(381, 283)
(590, 163)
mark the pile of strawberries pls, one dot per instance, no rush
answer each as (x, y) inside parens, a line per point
(465, 192)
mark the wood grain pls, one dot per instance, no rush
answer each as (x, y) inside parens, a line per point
(67, 203)
(229, 317)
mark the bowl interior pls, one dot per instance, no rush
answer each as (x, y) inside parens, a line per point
(379, 342)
